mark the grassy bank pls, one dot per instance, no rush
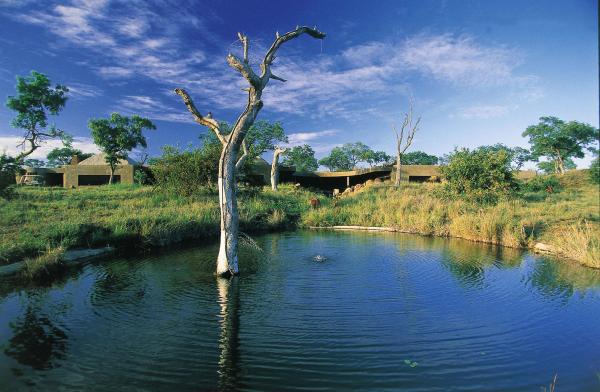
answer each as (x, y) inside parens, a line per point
(568, 219)
(37, 221)
(38, 224)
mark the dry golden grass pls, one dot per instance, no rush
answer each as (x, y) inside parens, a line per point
(554, 218)
(580, 242)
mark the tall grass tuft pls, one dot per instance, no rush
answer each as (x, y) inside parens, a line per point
(580, 242)
(44, 265)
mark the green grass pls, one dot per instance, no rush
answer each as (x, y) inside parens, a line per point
(39, 223)
(569, 219)
(35, 220)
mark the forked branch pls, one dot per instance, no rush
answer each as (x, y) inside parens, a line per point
(207, 121)
(279, 40)
(242, 158)
(410, 128)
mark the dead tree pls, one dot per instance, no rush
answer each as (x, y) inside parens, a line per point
(275, 167)
(230, 159)
(403, 144)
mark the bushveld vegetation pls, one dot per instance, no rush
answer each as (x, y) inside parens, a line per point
(36, 221)
(567, 217)
(38, 224)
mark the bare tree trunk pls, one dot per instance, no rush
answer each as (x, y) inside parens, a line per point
(275, 167)
(227, 260)
(407, 125)
(112, 174)
(21, 157)
(398, 170)
(560, 165)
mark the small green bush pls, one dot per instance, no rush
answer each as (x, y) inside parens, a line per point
(549, 183)
(481, 175)
(595, 171)
(187, 172)
(8, 170)
(143, 176)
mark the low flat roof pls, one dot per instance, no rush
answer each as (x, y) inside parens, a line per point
(411, 170)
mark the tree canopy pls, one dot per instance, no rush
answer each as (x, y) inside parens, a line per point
(62, 155)
(263, 136)
(302, 158)
(337, 160)
(558, 140)
(36, 99)
(349, 155)
(118, 135)
(518, 155)
(373, 158)
(418, 158)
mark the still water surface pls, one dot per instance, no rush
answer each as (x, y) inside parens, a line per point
(376, 312)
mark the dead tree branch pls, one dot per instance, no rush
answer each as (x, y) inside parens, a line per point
(207, 121)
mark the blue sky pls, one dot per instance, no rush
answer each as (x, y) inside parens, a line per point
(479, 72)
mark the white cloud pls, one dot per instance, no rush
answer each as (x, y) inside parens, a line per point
(80, 90)
(152, 108)
(299, 138)
(460, 60)
(483, 112)
(351, 85)
(9, 144)
(115, 72)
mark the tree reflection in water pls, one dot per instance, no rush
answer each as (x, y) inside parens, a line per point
(229, 341)
(36, 341)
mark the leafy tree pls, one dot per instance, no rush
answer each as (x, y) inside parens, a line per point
(518, 155)
(558, 140)
(595, 171)
(374, 158)
(263, 136)
(483, 175)
(62, 155)
(302, 158)
(349, 155)
(356, 153)
(337, 160)
(118, 135)
(33, 163)
(35, 100)
(549, 167)
(418, 158)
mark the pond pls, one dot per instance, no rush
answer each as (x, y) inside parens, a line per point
(372, 312)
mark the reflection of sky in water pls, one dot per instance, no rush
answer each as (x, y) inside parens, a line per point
(381, 311)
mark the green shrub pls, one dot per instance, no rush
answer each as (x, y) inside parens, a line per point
(143, 176)
(549, 183)
(8, 170)
(595, 171)
(186, 172)
(482, 175)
